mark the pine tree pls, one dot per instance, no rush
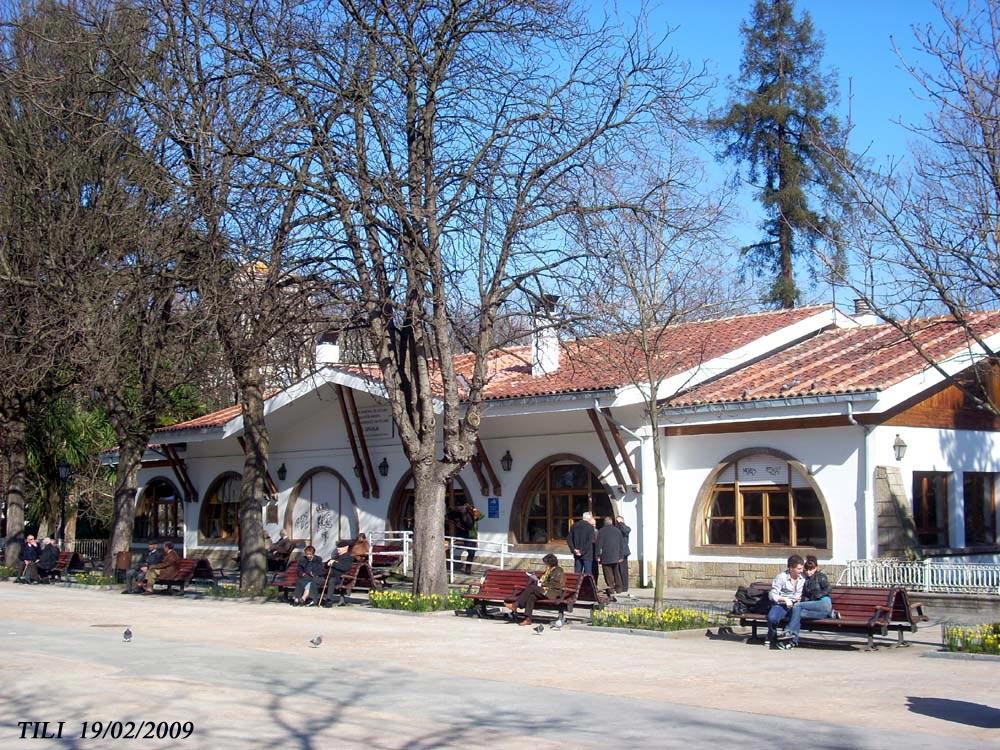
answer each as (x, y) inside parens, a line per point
(779, 126)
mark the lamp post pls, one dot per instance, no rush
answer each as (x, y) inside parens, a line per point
(64, 474)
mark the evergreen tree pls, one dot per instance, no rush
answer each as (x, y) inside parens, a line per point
(779, 126)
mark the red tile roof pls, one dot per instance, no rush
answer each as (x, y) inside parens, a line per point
(841, 361)
(596, 363)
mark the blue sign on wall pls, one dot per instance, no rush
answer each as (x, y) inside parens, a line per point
(493, 507)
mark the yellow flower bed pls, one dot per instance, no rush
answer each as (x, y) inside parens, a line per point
(643, 618)
(977, 639)
(409, 602)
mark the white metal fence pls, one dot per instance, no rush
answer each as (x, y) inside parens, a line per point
(927, 575)
(95, 549)
(488, 555)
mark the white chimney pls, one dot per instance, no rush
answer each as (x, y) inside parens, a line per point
(327, 349)
(545, 338)
(863, 314)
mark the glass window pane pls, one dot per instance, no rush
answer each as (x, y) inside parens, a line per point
(980, 515)
(753, 532)
(779, 531)
(724, 503)
(810, 532)
(536, 531)
(536, 505)
(753, 504)
(722, 531)
(560, 505)
(602, 505)
(560, 528)
(777, 504)
(570, 477)
(807, 504)
(581, 504)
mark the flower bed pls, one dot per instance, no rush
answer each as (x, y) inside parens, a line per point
(6, 571)
(408, 602)
(978, 639)
(643, 618)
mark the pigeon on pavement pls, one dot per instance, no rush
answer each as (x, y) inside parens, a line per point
(538, 629)
(127, 635)
(316, 641)
(557, 625)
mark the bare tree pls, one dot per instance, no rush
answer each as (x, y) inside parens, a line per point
(456, 144)
(926, 238)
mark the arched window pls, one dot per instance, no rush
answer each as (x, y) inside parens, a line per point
(763, 500)
(401, 507)
(321, 511)
(159, 515)
(559, 494)
(220, 510)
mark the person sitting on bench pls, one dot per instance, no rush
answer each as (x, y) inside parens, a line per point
(311, 574)
(168, 569)
(549, 586)
(816, 603)
(786, 590)
(48, 559)
(339, 565)
(361, 548)
(29, 561)
(279, 552)
(135, 577)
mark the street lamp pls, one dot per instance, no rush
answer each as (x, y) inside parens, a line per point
(64, 474)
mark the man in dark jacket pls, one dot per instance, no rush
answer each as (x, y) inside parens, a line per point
(338, 567)
(581, 543)
(464, 519)
(626, 551)
(311, 577)
(135, 577)
(610, 549)
(29, 561)
(48, 559)
(168, 568)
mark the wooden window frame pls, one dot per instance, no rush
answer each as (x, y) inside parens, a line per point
(551, 519)
(206, 515)
(154, 507)
(920, 514)
(989, 487)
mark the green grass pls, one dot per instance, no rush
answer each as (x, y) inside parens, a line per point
(642, 618)
(977, 639)
(408, 602)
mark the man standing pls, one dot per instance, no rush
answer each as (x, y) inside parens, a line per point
(610, 549)
(465, 518)
(626, 551)
(582, 537)
(339, 565)
(48, 559)
(136, 575)
(169, 568)
(786, 590)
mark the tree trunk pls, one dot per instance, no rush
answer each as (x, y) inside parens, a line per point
(130, 452)
(660, 582)
(430, 575)
(254, 489)
(72, 508)
(786, 284)
(48, 518)
(18, 460)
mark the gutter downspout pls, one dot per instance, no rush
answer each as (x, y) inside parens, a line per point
(640, 497)
(868, 509)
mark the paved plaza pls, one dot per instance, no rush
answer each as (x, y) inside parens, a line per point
(245, 676)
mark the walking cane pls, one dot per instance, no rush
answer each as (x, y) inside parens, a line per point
(329, 569)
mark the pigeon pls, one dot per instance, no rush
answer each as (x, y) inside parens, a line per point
(538, 629)
(316, 641)
(558, 624)
(127, 635)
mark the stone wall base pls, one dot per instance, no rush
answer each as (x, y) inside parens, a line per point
(726, 575)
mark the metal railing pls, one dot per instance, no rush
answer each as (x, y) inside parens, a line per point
(926, 575)
(489, 555)
(95, 549)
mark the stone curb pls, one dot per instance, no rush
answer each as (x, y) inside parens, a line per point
(961, 656)
(587, 628)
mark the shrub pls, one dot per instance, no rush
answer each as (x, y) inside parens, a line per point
(643, 618)
(977, 639)
(6, 571)
(404, 600)
(229, 591)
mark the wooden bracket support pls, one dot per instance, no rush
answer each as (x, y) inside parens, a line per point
(359, 468)
(361, 440)
(626, 458)
(485, 457)
(612, 459)
(180, 471)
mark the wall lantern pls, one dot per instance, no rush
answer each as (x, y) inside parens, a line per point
(282, 473)
(506, 462)
(383, 468)
(899, 448)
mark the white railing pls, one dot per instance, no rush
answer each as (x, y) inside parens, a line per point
(489, 555)
(926, 575)
(95, 549)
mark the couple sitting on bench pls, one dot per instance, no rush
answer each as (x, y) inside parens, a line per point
(802, 592)
(319, 580)
(549, 586)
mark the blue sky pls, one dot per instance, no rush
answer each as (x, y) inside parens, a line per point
(859, 47)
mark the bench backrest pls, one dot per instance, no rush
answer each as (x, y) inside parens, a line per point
(856, 603)
(203, 568)
(503, 583)
(185, 570)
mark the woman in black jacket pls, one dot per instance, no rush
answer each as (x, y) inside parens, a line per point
(815, 603)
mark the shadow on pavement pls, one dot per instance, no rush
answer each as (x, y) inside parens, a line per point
(961, 712)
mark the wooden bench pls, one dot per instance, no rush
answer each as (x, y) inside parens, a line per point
(501, 586)
(68, 562)
(185, 572)
(860, 611)
(385, 556)
(360, 577)
(905, 615)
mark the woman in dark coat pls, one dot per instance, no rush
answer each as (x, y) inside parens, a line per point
(549, 586)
